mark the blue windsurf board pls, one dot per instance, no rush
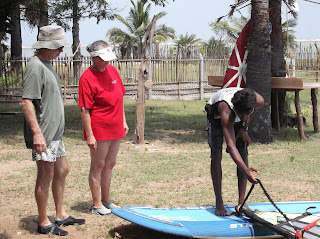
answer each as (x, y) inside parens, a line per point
(201, 222)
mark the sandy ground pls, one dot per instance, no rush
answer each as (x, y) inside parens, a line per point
(18, 209)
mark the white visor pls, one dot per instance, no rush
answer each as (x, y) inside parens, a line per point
(105, 54)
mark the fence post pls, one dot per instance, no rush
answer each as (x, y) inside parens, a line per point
(293, 66)
(201, 77)
(149, 92)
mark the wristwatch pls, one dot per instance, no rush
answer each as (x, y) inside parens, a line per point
(244, 126)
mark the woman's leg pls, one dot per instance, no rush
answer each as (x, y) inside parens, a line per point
(106, 174)
(98, 159)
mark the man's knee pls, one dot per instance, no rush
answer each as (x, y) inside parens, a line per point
(45, 171)
(61, 167)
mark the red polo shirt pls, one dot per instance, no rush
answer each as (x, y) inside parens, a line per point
(102, 93)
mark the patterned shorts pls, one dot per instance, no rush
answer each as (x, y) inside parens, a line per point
(53, 151)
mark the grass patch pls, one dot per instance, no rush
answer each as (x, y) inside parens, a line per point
(171, 169)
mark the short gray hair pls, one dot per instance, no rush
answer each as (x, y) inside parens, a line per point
(97, 45)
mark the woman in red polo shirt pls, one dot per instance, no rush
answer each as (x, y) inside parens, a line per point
(101, 101)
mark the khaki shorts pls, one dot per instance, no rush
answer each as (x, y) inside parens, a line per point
(53, 151)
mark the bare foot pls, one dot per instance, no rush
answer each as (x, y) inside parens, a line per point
(221, 211)
(247, 207)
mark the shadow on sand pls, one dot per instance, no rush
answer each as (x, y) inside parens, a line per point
(134, 231)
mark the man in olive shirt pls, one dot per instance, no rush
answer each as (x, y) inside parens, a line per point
(43, 109)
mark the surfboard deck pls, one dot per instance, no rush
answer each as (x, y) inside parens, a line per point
(201, 222)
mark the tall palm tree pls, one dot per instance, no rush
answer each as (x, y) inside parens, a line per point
(186, 42)
(162, 34)
(258, 50)
(231, 31)
(277, 61)
(216, 49)
(226, 31)
(288, 32)
(137, 24)
(259, 68)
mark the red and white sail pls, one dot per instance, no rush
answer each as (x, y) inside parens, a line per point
(237, 68)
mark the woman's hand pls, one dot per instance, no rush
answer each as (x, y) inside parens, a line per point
(126, 128)
(92, 143)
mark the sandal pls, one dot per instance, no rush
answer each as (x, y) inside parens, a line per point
(52, 229)
(110, 205)
(102, 211)
(69, 221)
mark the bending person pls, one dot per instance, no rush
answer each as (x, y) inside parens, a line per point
(229, 112)
(101, 101)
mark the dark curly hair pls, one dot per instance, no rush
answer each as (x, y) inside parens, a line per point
(244, 101)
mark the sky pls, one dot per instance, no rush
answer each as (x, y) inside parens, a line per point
(186, 16)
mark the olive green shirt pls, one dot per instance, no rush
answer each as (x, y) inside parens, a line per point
(41, 84)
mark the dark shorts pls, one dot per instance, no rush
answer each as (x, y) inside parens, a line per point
(215, 138)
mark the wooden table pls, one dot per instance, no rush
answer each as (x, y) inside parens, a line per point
(287, 84)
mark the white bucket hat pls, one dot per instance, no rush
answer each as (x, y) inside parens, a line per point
(105, 54)
(50, 37)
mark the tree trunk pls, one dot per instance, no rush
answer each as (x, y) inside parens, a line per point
(16, 42)
(157, 50)
(76, 42)
(1, 46)
(44, 16)
(143, 77)
(277, 62)
(259, 69)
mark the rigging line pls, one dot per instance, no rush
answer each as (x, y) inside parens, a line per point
(235, 9)
(273, 203)
(238, 9)
(312, 1)
(239, 3)
(243, 7)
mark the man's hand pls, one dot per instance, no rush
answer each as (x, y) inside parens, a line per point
(39, 143)
(250, 175)
(92, 143)
(243, 134)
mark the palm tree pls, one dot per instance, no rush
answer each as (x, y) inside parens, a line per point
(226, 31)
(216, 49)
(186, 42)
(162, 34)
(277, 55)
(137, 24)
(231, 31)
(259, 68)
(288, 32)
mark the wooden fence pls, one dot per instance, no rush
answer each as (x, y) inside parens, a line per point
(164, 70)
(173, 79)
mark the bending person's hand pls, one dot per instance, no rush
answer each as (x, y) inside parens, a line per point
(252, 179)
(243, 134)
